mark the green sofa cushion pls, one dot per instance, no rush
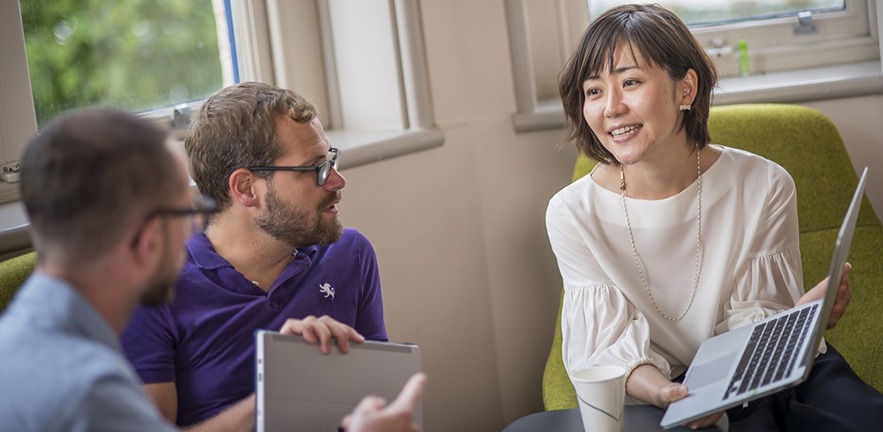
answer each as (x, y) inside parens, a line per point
(859, 334)
(13, 273)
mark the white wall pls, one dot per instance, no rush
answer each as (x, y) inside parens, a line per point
(467, 271)
(466, 267)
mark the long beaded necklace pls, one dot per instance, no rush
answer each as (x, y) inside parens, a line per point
(698, 240)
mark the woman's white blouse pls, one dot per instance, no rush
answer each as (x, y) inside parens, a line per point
(750, 263)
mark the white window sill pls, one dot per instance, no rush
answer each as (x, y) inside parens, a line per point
(358, 148)
(804, 85)
(361, 148)
(782, 87)
(13, 228)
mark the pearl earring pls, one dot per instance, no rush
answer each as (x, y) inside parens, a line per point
(685, 107)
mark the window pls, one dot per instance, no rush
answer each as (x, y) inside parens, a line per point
(780, 35)
(796, 49)
(148, 57)
(542, 34)
(361, 63)
(139, 56)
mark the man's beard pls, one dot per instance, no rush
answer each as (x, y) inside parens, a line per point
(160, 289)
(299, 227)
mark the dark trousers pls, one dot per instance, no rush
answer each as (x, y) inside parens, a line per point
(834, 398)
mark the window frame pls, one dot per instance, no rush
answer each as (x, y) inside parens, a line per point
(18, 119)
(861, 74)
(322, 81)
(840, 38)
(535, 112)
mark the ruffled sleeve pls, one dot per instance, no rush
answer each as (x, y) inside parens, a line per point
(763, 289)
(771, 280)
(599, 324)
(601, 327)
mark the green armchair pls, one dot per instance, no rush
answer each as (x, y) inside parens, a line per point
(13, 273)
(809, 147)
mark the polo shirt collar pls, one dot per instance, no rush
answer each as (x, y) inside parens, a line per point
(203, 254)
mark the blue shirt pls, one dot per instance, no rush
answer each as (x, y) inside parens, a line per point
(63, 369)
(204, 340)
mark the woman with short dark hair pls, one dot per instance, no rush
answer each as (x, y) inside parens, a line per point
(671, 240)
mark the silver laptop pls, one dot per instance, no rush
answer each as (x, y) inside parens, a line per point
(768, 356)
(299, 388)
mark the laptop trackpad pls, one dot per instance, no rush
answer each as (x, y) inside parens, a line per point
(709, 372)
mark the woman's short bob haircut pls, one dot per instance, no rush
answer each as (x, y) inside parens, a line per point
(664, 41)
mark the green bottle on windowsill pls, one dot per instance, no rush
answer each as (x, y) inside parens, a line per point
(744, 70)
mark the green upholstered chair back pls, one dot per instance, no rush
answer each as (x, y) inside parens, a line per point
(809, 147)
(13, 273)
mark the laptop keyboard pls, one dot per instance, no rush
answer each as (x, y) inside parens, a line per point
(771, 351)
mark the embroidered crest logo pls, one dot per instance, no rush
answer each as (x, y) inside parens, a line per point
(326, 289)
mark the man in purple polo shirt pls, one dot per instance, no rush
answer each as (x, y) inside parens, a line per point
(275, 251)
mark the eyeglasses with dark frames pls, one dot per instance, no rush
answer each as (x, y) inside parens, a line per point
(322, 170)
(199, 212)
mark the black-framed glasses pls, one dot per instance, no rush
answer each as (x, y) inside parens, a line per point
(198, 212)
(322, 170)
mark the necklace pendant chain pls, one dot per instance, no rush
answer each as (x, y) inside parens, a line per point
(698, 241)
(621, 179)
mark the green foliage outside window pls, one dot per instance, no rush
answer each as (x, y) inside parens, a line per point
(135, 54)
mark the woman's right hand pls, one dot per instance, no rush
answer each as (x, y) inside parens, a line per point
(674, 391)
(669, 393)
(649, 385)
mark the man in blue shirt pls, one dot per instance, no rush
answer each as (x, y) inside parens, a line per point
(103, 194)
(110, 209)
(274, 251)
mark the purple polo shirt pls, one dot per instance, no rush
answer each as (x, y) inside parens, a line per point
(204, 340)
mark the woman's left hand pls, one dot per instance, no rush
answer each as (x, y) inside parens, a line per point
(843, 296)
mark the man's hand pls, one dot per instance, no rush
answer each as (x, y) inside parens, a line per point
(321, 330)
(844, 294)
(373, 415)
